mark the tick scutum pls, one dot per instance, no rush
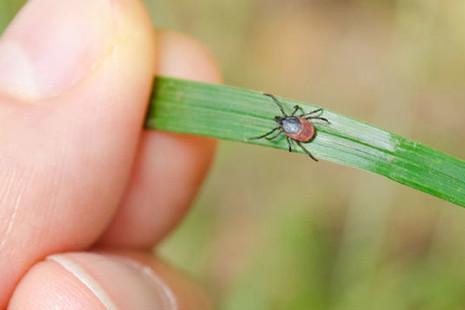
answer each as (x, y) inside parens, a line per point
(291, 125)
(297, 129)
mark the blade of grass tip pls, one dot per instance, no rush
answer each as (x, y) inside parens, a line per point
(237, 114)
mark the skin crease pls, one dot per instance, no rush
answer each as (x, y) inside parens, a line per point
(78, 173)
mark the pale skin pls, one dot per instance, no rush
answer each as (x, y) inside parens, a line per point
(85, 192)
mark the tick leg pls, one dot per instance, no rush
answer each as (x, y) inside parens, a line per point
(320, 118)
(280, 106)
(275, 136)
(311, 113)
(265, 135)
(306, 151)
(289, 143)
(297, 108)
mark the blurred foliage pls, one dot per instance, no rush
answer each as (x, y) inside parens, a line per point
(236, 114)
(267, 234)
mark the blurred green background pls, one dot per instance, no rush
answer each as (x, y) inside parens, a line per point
(273, 230)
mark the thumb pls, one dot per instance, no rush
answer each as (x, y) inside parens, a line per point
(116, 280)
(74, 80)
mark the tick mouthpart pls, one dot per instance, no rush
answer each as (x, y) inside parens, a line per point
(278, 119)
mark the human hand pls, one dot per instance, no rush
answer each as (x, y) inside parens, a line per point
(85, 193)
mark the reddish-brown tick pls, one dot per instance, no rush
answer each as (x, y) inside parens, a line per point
(298, 129)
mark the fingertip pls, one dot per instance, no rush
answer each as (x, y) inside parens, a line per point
(182, 56)
(49, 286)
(86, 71)
(106, 281)
(170, 167)
(189, 294)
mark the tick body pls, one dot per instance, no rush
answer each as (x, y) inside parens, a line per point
(296, 128)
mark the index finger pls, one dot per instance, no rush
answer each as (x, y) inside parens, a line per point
(169, 168)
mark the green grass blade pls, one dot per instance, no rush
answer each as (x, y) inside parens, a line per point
(237, 114)
(8, 9)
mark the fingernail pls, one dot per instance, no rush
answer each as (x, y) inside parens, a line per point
(118, 282)
(52, 45)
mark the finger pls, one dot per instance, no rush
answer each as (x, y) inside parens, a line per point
(170, 167)
(106, 281)
(73, 90)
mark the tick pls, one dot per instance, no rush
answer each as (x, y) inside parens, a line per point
(297, 128)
